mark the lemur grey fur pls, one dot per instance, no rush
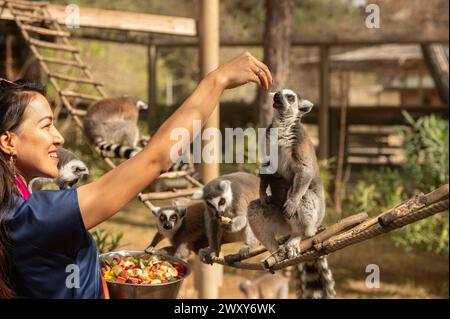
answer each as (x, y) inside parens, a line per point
(268, 286)
(297, 202)
(112, 122)
(228, 196)
(70, 170)
(184, 227)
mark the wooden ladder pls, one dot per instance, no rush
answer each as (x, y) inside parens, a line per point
(27, 14)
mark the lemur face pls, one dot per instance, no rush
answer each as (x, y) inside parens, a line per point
(218, 197)
(287, 102)
(70, 173)
(169, 218)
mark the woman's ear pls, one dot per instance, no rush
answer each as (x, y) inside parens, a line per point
(7, 143)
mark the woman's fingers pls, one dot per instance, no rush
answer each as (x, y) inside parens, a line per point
(257, 79)
(265, 69)
(264, 81)
(243, 69)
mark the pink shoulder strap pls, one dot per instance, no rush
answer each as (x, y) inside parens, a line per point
(23, 190)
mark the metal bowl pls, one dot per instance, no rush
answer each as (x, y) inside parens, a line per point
(167, 290)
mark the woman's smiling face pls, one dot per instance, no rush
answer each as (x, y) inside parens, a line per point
(37, 140)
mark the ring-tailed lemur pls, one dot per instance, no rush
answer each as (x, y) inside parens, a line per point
(184, 227)
(70, 170)
(268, 286)
(227, 198)
(297, 202)
(112, 122)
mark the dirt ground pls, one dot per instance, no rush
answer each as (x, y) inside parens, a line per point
(402, 274)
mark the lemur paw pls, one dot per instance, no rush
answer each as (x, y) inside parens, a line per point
(150, 250)
(226, 226)
(264, 200)
(206, 255)
(289, 209)
(291, 248)
(244, 252)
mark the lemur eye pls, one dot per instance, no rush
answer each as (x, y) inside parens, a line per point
(290, 98)
(222, 201)
(210, 204)
(162, 218)
(173, 217)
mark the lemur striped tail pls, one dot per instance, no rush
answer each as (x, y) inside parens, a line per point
(116, 150)
(314, 280)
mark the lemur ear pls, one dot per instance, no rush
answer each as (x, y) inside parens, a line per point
(141, 105)
(224, 185)
(198, 194)
(155, 210)
(182, 211)
(305, 106)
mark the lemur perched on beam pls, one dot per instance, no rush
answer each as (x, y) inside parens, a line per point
(296, 206)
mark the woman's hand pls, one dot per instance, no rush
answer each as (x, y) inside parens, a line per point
(241, 70)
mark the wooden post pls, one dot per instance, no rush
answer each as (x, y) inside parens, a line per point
(209, 277)
(324, 102)
(9, 58)
(152, 85)
(344, 86)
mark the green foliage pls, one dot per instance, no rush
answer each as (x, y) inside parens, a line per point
(378, 190)
(425, 168)
(105, 240)
(426, 152)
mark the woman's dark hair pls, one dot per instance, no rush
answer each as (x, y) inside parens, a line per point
(14, 98)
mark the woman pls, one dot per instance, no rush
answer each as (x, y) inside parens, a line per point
(43, 236)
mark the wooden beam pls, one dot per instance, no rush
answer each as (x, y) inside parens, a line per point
(124, 21)
(152, 86)
(144, 39)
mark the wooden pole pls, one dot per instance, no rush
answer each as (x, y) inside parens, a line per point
(152, 86)
(340, 162)
(209, 277)
(324, 102)
(9, 58)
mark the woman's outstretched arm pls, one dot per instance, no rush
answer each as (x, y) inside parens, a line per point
(103, 198)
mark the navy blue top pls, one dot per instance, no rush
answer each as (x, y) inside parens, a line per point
(53, 255)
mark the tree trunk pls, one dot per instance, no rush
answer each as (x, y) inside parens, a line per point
(277, 41)
(437, 60)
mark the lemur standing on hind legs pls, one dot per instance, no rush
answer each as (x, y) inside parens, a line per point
(111, 123)
(297, 202)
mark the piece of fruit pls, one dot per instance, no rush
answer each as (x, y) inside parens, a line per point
(225, 220)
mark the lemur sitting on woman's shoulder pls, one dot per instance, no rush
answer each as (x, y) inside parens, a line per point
(70, 170)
